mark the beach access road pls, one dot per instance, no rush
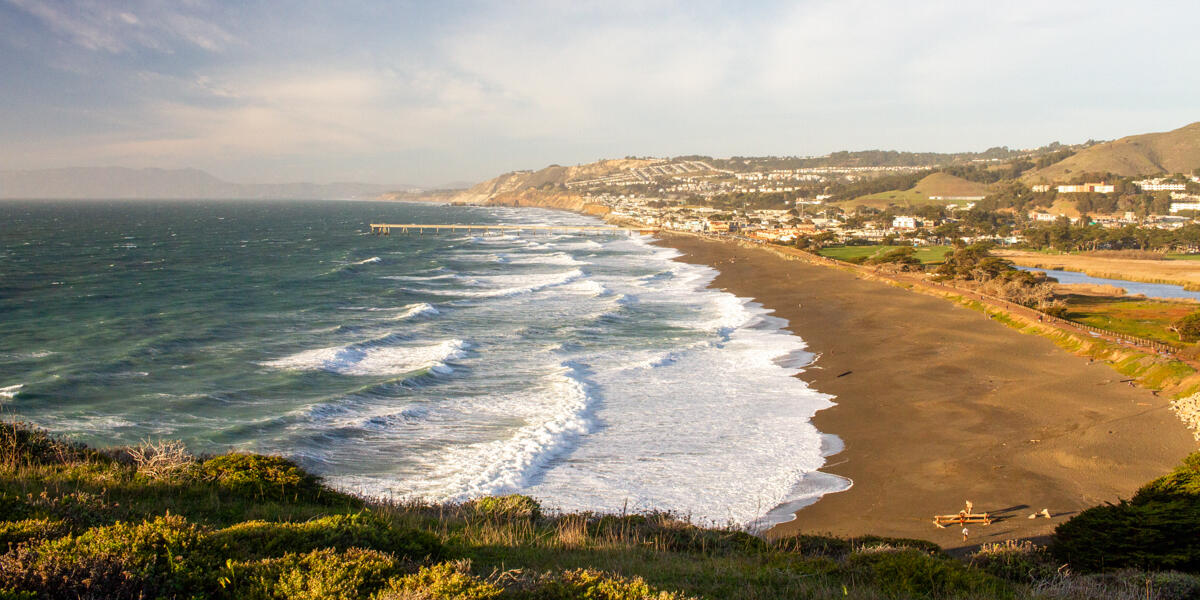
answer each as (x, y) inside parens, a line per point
(938, 404)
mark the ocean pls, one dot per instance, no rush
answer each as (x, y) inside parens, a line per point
(592, 372)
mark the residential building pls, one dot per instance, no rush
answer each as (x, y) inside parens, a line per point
(1099, 188)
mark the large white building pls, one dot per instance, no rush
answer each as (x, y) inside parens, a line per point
(1158, 185)
(1182, 206)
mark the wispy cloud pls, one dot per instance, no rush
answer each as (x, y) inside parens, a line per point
(121, 27)
(447, 91)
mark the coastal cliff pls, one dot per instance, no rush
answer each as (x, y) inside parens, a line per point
(546, 188)
(548, 199)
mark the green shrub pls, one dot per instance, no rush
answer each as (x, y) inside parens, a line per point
(908, 572)
(1183, 481)
(588, 584)
(905, 255)
(1159, 529)
(15, 595)
(446, 581)
(1154, 534)
(261, 476)
(512, 506)
(317, 575)
(30, 530)
(260, 539)
(127, 560)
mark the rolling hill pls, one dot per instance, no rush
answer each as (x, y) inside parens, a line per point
(936, 184)
(1175, 151)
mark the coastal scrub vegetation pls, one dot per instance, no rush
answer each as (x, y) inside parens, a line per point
(157, 522)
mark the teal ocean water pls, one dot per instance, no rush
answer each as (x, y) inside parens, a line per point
(592, 372)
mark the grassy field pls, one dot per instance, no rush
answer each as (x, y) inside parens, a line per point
(929, 255)
(1177, 256)
(156, 522)
(1143, 318)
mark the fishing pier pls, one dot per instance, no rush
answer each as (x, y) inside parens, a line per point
(420, 228)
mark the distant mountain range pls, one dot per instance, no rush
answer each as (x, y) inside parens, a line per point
(169, 184)
(1176, 151)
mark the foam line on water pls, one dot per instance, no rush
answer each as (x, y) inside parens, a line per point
(533, 283)
(371, 358)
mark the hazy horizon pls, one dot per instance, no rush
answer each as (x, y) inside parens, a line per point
(428, 95)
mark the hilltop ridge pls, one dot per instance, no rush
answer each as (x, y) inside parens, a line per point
(553, 175)
(1175, 151)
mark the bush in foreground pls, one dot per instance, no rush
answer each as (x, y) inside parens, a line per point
(261, 476)
(1159, 528)
(261, 539)
(906, 572)
(318, 575)
(158, 558)
(511, 506)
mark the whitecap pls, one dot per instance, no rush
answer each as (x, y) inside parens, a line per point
(11, 391)
(420, 309)
(370, 358)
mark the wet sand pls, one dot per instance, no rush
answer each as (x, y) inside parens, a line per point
(938, 404)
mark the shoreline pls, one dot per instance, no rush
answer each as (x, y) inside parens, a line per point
(972, 409)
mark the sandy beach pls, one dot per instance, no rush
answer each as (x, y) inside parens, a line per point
(938, 404)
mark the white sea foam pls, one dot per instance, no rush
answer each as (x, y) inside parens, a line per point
(530, 283)
(11, 391)
(370, 359)
(507, 465)
(373, 259)
(555, 258)
(439, 277)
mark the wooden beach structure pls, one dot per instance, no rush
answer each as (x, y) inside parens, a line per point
(420, 228)
(966, 516)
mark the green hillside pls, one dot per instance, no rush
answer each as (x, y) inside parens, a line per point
(936, 184)
(156, 522)
(1175, 151)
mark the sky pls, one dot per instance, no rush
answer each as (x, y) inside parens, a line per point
(435, 92)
